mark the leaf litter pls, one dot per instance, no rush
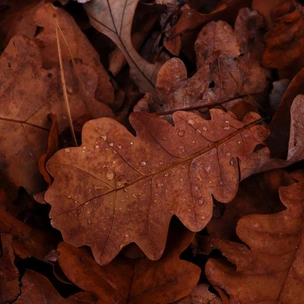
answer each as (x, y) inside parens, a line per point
(120, 210)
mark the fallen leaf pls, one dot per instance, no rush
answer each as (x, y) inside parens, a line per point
(38, 289)
(270, 268)
(134, 281)
(281, 120)
(9, 274)
(113, 185)
(114, 19)
(284, 43)
(256, 195)
(228, 66)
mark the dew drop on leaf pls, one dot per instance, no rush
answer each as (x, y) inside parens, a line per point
(110, 175)
(201, 201)
(67, 150)
(190, 122)
(160, 185)
(181, 133)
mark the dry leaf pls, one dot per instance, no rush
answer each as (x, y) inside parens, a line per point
(121, 189)
(114, 19)
(228, 65)
(134, 281)
(270, 270)
(9, 274)
(285, 42)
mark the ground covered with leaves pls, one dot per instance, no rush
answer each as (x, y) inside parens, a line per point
(151, 152)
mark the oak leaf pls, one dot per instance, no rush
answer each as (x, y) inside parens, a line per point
(284, 43)
(228, 66)
(114, 19)
(270, 269)
(134, 281)
(30, 92)
(119, 188)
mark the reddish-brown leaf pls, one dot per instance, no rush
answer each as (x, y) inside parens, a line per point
(271, 269)
(134, 281)
(285, 42)
(228, 63)
(9, 274)
(114, 19)
(119, 188)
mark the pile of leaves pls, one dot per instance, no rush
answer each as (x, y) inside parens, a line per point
(151, 152)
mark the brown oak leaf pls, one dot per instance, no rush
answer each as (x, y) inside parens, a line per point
(270, 269)
(134, 281)
(228, 67)
(120, 188)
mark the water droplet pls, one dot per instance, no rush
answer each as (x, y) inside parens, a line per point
(202, 217)
(161, 163)
(205, 129)
(198, 131)
(181, 133)
(119, 146)
(166, 174)
(160, 185)
(111, 144)
(232, 162)
(190, 122)
(201, 201)
(104, 137)
(210, 182)
(143, 163)
(126, 235)
(67, 150)
(256, 225)
(207, 169)
(110, 175)
(165, 138)
(69, 196)
(193, 141)
(96, 147)
(226, 121)
(226, 128)
(228, 154)
(134, 195)
(189, 210)
(131, 142)
(239, 142)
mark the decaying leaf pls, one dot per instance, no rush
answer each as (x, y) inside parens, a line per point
(134, 281)
(228, 66)
(121, 188)
(114, 19)
(271, 269)
(9, 275)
